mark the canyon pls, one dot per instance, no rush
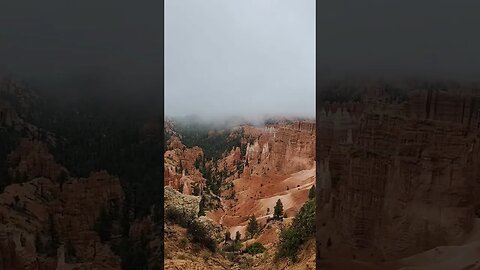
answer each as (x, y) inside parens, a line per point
(397, 181)
(270, 163)
(64, 202)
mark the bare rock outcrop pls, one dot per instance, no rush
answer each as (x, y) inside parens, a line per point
(183, 203)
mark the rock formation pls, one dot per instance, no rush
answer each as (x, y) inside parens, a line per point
(29, 210)
(398, 179)
(187, 204)
(267, 163)
(180, 170)
(279, 163)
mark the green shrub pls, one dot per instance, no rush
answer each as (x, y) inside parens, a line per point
(255, 248)
(228, 236)
(278, 210)
(238, 236)
(233, 246)
(252, 227)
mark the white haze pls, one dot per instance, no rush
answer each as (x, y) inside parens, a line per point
(245, 58)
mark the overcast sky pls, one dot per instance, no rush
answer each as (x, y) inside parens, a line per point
(239, 57)
(431, 38)
(51, 41)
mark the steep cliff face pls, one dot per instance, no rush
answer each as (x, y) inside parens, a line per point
(280, 149)
(399, 179)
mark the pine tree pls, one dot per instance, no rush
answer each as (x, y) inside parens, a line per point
(252, 227)
(238, 236)
(278, 210)
(227, 236)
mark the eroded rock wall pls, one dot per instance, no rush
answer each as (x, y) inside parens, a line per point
(406, 180)
(281, 149)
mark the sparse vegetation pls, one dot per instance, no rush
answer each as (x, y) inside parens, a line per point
(238, 236)
(252, 226)
(212, 140)
(233, 246)
(227, 236)
(255, 248)
(278, 210)
(302, 228)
